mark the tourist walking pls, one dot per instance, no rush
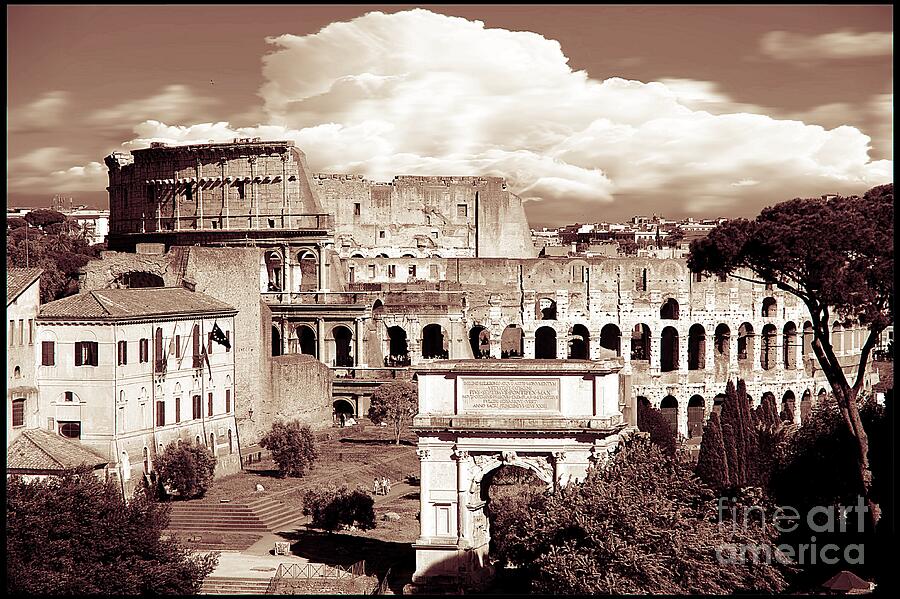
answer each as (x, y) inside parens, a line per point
(375, 486)
(384, 486)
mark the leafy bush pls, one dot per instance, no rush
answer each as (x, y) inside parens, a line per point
(651, 420)
(396, 403)
(334, 507)
(186, 468)
(293, 447)
(74, 535)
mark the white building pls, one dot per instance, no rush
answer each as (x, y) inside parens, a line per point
(127, 371)
(94, 222)
(23, 298)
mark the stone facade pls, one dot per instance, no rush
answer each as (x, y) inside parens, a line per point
(23, 352)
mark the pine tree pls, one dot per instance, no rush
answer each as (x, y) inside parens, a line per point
(712, 466)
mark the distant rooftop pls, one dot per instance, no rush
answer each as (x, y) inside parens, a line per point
(18, 280)
(42, 450)
(116, 304)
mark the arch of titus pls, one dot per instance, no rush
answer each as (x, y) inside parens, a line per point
(552, 417)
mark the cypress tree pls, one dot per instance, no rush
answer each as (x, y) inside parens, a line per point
(712, 466)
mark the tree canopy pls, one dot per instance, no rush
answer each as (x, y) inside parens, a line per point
(837, 256)
(293, 447)
(74, 535)
(187, 468)
(395, 403)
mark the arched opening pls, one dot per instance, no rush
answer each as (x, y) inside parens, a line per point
(718, 400)
(307, 340)
(611, 338)
(722, 346)
(696, 416)
(343, 343)
(789, 345)
(669, 310)
(343, 407)
(512, 342)
(643, 402)
(769, 307)
(309, 271)
(837, 338)
(697, 348)
(788, 406)
(640, 343)
(545, 343)
(669, 408)
(579, 343)
(480, 342)
(398, 347)
(17, 372)
(821, 396)
(745, 343)
(507, 491)
(435, 343)
(276, 341)
(546, 309)
(808, 337)
(139, 280)
(805, 405)
(668, 350)
(381, 255)
(274, 266)
(767, 351)
(377, 308)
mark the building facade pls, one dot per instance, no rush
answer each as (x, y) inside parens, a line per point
(128, 371)
(23, 299)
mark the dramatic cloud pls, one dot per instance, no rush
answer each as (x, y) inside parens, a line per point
(421, 93)
(42, 114)
(176, 102)
(784, 45)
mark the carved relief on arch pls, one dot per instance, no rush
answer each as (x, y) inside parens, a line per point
(482, 464)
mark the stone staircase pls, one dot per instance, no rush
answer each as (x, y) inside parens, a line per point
(234, 586)
(258, 516)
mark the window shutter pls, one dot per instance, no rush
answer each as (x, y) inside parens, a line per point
(78, 354)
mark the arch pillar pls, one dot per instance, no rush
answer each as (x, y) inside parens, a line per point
(655, 348)
(682, 418)
(320, 341)
(358, 356)
(709, 348)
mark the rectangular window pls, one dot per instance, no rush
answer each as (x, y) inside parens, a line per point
(698, 277)
(352, 275)
(412, 271)
(209, 405)
(48, 353)
(357, 209)
(160, 413)
(197, 407)
(86, 353)
(723, 278)
(228, 401)
(442, 520)
(392, 271)
(144, 350)
(69, 396)
(151, 193)
(271, 223)
(434, 234)
(177, 346)
(122, 351)
(462, 210)
(18, 412)
(12, 333)
(30, 331)
(371, 271)
(640, 279)
(177, 410)
(120, 420)
(188, 194)
(381, 234)
(433, 270)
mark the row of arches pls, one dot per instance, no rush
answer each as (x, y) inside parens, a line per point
(545, 309)
(303, 275)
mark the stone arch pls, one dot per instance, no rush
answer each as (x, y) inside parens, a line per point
(343, 406)
(769, 307)
(306, 270)
(487, 464)
(718, 400)
(837, 338)
(668, 350)
(138, 279)
(435, 343)
(788, 406)
(611, 338)
(788, 344)
(377, 308)
(669, 407)
(305, 337)
(276, 341)
(768, 348)
(272, 271)
(696, 413)
(17, 373)
(745, 342)
(545, 309)
(640, 343)
(805, 405)
(669, 310)
(722, 346)
(398, 347)
(480, 341)
(808, 336)
(579, 343)
(512, 342)
(697, 347)
(342, 337)
(643, 401)
(545, 343)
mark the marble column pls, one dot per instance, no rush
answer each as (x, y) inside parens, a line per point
(426, 518)
(320, 342)
(357, 343)
(462, 471)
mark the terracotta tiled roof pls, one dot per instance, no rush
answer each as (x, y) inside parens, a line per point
(18, 279)
(38, 449)
(114, 304)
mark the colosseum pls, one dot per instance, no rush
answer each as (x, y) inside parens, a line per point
(372, 278)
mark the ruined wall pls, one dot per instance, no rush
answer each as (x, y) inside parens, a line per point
(425, 216)
(299, 388)
(250, 185)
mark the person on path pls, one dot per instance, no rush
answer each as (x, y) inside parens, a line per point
(384, 486)
(375, 486)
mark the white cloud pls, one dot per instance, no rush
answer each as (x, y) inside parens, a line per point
(87, 178)
(41, 114)
(174, 103)
(844, 44)
(421, 93)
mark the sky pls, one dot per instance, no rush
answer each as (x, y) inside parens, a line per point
(591, 112)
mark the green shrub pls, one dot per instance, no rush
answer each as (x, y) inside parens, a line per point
(293, 447)
(333, 507)
(186, 468)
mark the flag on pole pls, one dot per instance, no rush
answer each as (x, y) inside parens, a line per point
(206, 359)
(219, 337)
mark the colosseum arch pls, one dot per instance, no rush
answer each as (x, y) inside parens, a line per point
(837, 338)
(579, 343)
(611, 338)
(805, 405)
(545, 343)
(769, 307)
(342, 342)
(306, 272)
(272, 271)
(718, 401)
(480, 342)
(788, 406)
(696, 413)
(789, 344)
(722, 347)
(512, 342)
(435, 342)
(668, 349)
(697, 347)
(545, 309)
(745, 343)
(276, 341)
(640, 343)
(669, 407)
(398, 346)
(669, 309)
(306, 340)
(768, 347)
